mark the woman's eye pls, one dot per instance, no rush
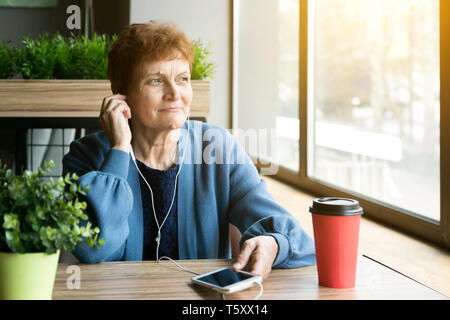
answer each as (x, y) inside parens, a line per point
(155, 81)
(185, 79)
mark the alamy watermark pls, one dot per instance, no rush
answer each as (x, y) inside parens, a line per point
(74, 20)
(74, 280)
(236, 146)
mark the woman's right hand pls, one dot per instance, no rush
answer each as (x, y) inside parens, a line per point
(113, 118)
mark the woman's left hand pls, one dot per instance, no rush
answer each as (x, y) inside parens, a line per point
(257, 255)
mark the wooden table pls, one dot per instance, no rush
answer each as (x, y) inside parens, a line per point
(164, 280)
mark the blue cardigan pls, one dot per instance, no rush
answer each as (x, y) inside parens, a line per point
(218, 184)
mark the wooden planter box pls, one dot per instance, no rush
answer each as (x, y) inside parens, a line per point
(72, 98)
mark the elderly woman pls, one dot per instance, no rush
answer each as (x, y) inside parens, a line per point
(152, 191)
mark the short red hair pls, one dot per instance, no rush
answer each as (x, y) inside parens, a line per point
(144, 42)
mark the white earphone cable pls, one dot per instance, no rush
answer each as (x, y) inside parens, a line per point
(158, 237)
(178, 265)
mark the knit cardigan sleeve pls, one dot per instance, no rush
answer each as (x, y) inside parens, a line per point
(254, 212)
(109, 199)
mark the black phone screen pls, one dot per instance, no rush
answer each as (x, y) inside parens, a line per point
(224, 277)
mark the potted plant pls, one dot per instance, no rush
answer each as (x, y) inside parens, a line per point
(67, 77)
(61, 77)
(202, 71)
(38, 217)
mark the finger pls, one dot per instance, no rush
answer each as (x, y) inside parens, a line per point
(258, 267)
(119, 111)
(107, 100)
(127, 113)
(117, 105)
(123, 108)
(126, 110)
(110, 103)
(244, 255)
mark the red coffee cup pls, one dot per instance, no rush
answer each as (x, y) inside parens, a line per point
(336, 234)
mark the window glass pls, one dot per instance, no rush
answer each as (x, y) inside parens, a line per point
(373, 95)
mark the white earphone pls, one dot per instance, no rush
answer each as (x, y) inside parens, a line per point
(158, 238)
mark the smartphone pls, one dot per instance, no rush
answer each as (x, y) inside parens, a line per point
(226, 280)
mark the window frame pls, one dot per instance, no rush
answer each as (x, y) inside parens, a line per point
(386, 214)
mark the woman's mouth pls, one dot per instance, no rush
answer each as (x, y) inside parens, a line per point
(172, 109)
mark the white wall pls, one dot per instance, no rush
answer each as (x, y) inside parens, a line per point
(208, 20)
(258, 64)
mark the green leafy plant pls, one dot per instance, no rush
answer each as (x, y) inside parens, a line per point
(65, 58)
(37, 215)
(202, 68)
(74, 57)
(37, 58)
(7, 60)
(83, 58)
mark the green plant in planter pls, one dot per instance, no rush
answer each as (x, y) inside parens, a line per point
(42, 216)
(201, 67)
(74, 57)
(58, 57)
(37, 219)
(7, 60)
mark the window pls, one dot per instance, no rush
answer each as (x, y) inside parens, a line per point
(374, 98)
(373, 114)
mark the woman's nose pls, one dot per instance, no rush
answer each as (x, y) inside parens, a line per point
(172, 92)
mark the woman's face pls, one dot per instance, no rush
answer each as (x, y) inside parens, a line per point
(160, 94)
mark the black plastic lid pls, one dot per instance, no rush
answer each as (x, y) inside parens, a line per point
(333, 206)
